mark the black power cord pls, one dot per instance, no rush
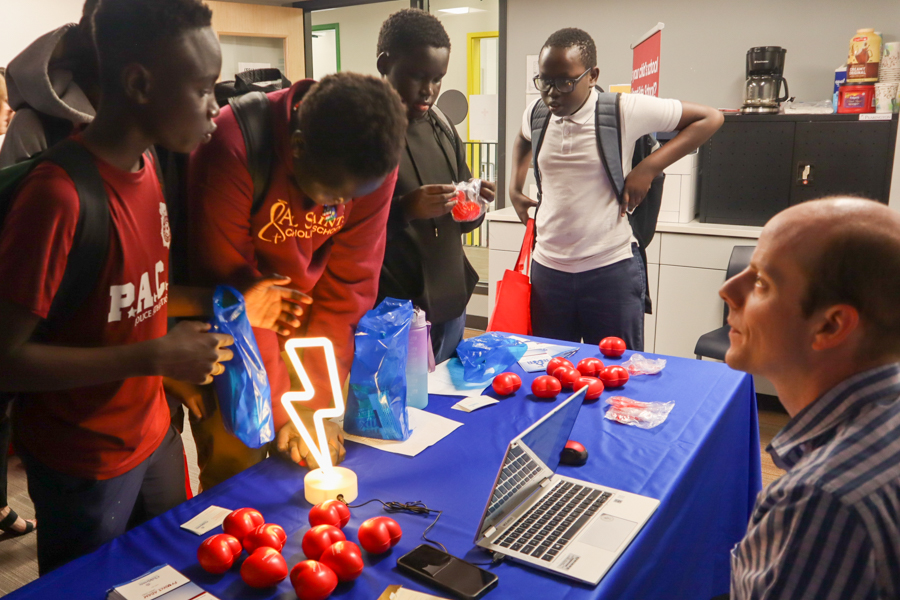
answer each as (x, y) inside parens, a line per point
(419, 508)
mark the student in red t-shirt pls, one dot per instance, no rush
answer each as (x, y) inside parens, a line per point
(322, 223)
(90, 417)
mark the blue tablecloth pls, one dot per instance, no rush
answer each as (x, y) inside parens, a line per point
(703, 463)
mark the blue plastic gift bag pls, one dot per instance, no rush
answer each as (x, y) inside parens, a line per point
(488, 354)
(245, 399)
(376, 404)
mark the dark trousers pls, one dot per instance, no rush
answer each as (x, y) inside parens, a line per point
(77, 515)
(445, 337)
(591, 305)
(5, 432)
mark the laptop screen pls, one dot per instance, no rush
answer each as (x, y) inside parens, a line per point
(520, 473)
(549, 437)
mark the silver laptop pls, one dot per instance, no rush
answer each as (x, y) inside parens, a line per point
(567, 526)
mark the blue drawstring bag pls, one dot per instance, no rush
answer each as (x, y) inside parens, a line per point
(376, 404)
(245, 399)
(488, 355)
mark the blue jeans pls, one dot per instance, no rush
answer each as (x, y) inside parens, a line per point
(591, 305)
(77, 515)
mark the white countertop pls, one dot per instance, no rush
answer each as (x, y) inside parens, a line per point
(695, 227)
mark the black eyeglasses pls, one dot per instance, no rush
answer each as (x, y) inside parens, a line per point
(563, 86)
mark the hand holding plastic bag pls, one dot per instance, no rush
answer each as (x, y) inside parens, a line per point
(469, 203)
(641, 365)
(376, 404)
(645, 415)
(489, 354)
(245, 399)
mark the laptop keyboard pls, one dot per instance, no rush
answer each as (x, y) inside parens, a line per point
(550, 525)
(518, 469)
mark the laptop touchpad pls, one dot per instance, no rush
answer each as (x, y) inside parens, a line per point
(607, 532)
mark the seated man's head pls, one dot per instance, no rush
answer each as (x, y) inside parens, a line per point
(568, 70)
(347, 136)
(413, 53)
(159, 61)
(821, 293)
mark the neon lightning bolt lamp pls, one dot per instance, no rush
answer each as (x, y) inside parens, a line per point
(328, 481)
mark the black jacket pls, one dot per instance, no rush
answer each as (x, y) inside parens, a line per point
(424, 259)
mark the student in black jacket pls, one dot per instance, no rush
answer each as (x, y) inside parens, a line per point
(424, 260)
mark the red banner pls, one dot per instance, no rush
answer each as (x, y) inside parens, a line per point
(645, 69)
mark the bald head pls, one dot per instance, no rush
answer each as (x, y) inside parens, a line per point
(849, 249)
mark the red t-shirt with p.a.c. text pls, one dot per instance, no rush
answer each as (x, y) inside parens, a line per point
(102, 431)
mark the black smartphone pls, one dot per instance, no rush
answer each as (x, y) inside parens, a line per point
(451, 574)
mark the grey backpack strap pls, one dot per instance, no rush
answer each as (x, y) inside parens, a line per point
(540, 118)
(608, 127)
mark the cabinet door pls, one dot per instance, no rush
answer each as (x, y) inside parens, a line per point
(689, 306)
(845, 157)
(745, 173)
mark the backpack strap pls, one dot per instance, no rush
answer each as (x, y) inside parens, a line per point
(540, 118)
(90, 245)
(608, 127)
(253, 112)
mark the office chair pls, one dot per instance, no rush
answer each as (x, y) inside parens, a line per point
(715, 343)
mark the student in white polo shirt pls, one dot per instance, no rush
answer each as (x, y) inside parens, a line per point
(587, 277)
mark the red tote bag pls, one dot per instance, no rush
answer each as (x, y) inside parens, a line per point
(512, 304)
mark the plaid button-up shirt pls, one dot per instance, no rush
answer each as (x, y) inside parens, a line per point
(830, 527)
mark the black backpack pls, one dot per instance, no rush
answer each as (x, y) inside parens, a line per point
(608, 130)
(91, 243)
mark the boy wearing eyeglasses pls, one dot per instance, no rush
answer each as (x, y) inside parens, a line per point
(587, 276)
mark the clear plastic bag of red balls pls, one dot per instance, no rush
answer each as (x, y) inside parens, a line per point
(645, 415)
(469, 203)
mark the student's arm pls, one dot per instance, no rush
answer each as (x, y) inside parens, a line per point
(186, 353)
(520, 163)
(697, 124)
(269, 306)
(35, 242)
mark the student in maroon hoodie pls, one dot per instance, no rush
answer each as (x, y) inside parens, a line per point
(322, 223)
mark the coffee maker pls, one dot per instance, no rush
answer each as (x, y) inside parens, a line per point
(765, 69)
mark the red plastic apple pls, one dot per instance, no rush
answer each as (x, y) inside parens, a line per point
(589, 367)
(264, 568)
(612, 347)
(345, 559)
(268, 535)
(594, 387)
(312, 580)
(567, 376)
(506, 384)
(242, 521)
(320, 538)
(546, 386)
(614, 376)
(217, 553)
(556, 363)
(330, 512)
(379, 534)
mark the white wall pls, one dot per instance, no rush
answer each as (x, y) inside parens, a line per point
(23, 21)
(359, 27)
(704, 43)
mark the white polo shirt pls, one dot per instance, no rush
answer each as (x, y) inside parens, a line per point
(578, 222)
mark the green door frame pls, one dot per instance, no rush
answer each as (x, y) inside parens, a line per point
(337, 40)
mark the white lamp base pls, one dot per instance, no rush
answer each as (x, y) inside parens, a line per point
(320, 485)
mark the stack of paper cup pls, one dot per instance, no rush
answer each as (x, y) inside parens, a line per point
(888, 79)
(885, 95)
